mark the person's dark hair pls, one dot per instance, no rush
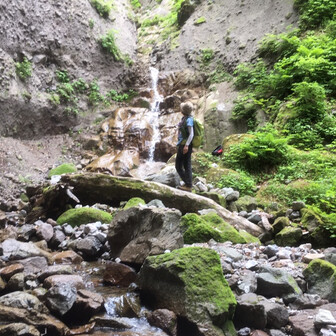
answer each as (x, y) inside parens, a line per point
(187, 108)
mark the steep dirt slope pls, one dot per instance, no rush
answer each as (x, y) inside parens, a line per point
(231, 29)
(56, 35)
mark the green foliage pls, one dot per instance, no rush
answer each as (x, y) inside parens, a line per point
(55, 99)
(135, 4)
(219, 75)
(62, 76)
(241, 181)
(91, 23)
(108, 43)
(264, 151)
(66, 92)
(207, 55)
(95, 97)
(315, 13)
(278, 46)
(23, 69)
(103, 7)
(245, 108)
(64, 168)
(310, 101)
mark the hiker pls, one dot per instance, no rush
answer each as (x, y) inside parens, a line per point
(184, 146)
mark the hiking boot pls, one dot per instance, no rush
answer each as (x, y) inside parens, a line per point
(185, 188)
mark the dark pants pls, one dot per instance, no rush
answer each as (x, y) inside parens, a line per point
(183, 165)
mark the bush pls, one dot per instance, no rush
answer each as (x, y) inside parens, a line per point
(315, 13)
(278, 46)
(240, 181)
(260, 153)
(23, 69)
(108, 43)
(103, 7)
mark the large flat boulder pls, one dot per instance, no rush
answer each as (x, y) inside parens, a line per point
(137, 232)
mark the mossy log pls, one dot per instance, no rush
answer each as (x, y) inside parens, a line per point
(92, 188)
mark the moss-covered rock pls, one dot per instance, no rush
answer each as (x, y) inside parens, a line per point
(76, 217)
(280, 223)
(219, 199)
(190, 282)
(249, 238)
(135, 201)
(200, 229)
(321, 278)
(318, 235)
(64, 168)
(246, 203)
(289, 236)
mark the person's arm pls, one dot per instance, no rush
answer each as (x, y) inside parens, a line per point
(190, 137)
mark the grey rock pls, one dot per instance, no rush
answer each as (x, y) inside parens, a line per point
(44, 231)
(138, 232)
(16, 282)
(61, 297)
(88, 247)
(298, 205)
(274, 282)
(68, 229)
(23, 300)
(14, 250)
(18, 329)
(57, 239)
(271, 250)
(26, 232)
(156, 203)
(250, 312)
(247, 283)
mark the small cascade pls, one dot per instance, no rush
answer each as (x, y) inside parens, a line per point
(155, 109)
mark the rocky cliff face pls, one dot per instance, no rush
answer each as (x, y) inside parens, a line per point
(56, 36)
(230, 29)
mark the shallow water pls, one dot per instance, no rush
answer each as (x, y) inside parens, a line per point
(93, 274)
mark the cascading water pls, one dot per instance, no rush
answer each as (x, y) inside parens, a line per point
(155, 109)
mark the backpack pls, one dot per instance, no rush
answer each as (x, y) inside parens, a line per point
(198, 133)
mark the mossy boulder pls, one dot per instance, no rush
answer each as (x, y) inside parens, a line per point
(135, 201)
(246, 203)
(198, 229)
(289, 236)
(64, 168)
(318, 235)
(79, 216)
(249, 238)
(219, 199)
(321, 278)
(190, 282)
(280, 223)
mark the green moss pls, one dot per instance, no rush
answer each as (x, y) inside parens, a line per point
(200, 271)
(249, 238)
(76, 217)
(200, 21)
(200, 229)
(135, 201)
(64, 168)
(289, 236)
(321, 276)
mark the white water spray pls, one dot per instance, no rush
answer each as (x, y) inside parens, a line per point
(155, 109)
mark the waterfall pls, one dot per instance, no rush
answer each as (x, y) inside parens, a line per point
(155, 109)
